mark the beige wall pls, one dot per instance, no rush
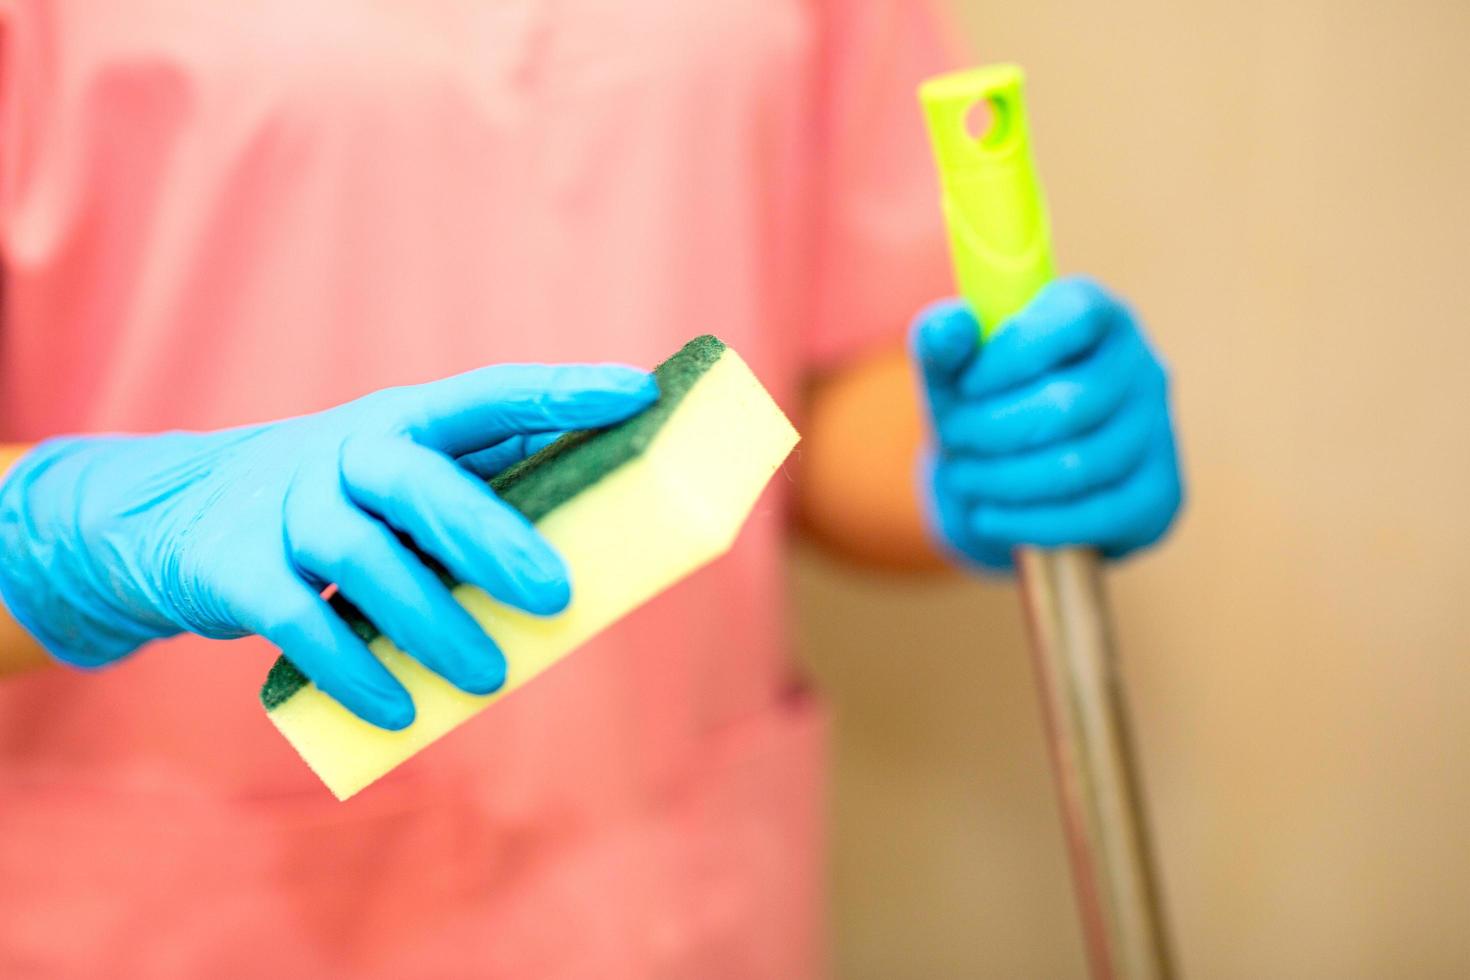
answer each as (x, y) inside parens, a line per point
(1284, 190)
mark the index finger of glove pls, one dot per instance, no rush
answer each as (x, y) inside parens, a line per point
(472, 411)
(1064, 321)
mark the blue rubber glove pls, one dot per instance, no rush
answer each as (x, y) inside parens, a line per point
(1056, 433)
(107, 542)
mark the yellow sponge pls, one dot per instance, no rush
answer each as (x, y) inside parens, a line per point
(631, 509)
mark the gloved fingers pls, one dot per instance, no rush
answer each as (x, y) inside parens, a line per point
(489, 463)
(1059, 472)
(944, 339)
(1118, 519)
(470, 411)
(316, 640)
(399, 595)
(1161, 502)
(1065, 320)
(948, 520)
(1067, 403)
(458, 520)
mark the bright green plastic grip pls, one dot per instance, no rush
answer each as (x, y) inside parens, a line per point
(999, 235)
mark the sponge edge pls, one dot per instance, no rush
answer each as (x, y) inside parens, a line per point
(651, 519)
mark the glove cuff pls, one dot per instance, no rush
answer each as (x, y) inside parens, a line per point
(47, 581)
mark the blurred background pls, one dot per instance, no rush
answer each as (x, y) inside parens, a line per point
(1280, 188)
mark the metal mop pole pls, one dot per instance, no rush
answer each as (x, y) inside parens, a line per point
(1001, 244)
(1093, 761)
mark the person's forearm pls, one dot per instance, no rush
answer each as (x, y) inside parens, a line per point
(19, 651)
(857, 495)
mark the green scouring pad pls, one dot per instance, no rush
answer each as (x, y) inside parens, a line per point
(632, 509)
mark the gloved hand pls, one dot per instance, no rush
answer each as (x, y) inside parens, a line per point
(107, 542)
(1056, 433)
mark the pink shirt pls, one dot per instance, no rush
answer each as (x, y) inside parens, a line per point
(215, 213)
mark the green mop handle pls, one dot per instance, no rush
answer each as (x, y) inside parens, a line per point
(1000, 242)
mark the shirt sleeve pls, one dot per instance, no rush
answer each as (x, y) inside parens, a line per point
(879, 235)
